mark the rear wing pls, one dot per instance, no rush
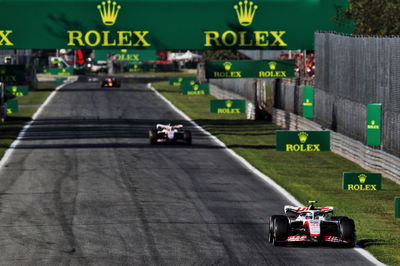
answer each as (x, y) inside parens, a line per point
(300, 210)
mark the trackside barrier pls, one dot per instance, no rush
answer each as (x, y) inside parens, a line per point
(397, 207)
(371, 159)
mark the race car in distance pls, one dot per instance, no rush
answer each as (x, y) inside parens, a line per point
(311, 225)
(170, 133)
(110, 82)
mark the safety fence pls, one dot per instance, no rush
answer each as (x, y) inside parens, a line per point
(352, 72)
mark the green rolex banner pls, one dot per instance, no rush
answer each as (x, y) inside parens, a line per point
(228, 106)
(61, 71)
(303, 141)
(249, 69)
(308, 101)
(12, 74)
(167, 24)
(126, 55)
(397, 207)
(12, 106)
(193, 88)
(18, 90)
(362, 181)
(177, 81)
(374, 124)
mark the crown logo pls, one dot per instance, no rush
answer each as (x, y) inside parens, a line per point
(373, 122)
(227, 66)
(14, 89)
(245, 12)
(195, 87)
(109, 12)
(229, 103)
(362, 178)
(192, 83)
(124, 50)
(272, 65)
(303, 137)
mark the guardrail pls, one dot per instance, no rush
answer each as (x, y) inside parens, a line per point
(353, 150)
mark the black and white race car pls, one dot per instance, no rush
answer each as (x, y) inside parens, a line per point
(110, 82)
(170, 133)
(311, 225)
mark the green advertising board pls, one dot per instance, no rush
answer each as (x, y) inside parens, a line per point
(167, 24)
(397, 207)
(178, 81)
(126, 55)
(18, 90)
(308, 101)
(12, 74)
(362, 181)
(374, 124)
(303, 141)
(249, 69)
(228, 106)
(61, 71)
(193, 88)
(12, 106)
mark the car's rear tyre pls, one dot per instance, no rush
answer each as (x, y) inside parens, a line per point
(348, 232)
(152, 136)
(187, 137)
(280, 230)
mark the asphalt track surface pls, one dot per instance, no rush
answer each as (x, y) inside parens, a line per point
(84, 187)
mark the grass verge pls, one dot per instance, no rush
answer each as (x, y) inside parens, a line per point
(305, 175)
(28, 105)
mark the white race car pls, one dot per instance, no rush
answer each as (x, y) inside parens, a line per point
(170, 133)
(311, 225)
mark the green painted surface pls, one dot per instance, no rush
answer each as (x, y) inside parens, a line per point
(302, 141)
(228, 106)
(250, 69)
(362, 181)
(155, 25)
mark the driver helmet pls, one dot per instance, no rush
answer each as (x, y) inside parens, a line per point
(309, 215)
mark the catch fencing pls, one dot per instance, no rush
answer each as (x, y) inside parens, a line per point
(352, 72)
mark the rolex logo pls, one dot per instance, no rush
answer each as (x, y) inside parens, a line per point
(373, 122)
(195, 87)
(362, 178)
(272, 65)
(303, 137)
(229, 103)
(227, 66)
(109, 12)
(245, 12)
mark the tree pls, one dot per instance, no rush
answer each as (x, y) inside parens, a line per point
(373, 17)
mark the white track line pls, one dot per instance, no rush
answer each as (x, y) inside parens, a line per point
(21, 134)
(259, 174)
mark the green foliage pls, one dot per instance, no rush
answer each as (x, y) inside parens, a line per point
(223, 55)
(373, 17)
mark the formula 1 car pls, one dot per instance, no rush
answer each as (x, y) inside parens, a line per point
(311, 225)
(170, 133)
(110, 82)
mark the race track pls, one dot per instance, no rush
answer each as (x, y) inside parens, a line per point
(84, 187)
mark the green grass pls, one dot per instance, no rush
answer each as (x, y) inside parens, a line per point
(28, 105)
(305, 175)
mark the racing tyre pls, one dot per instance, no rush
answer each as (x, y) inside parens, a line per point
(281, 230)
(271, 228)
(348, 232)
(187, 137)
(152, 136)
(338, 218)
